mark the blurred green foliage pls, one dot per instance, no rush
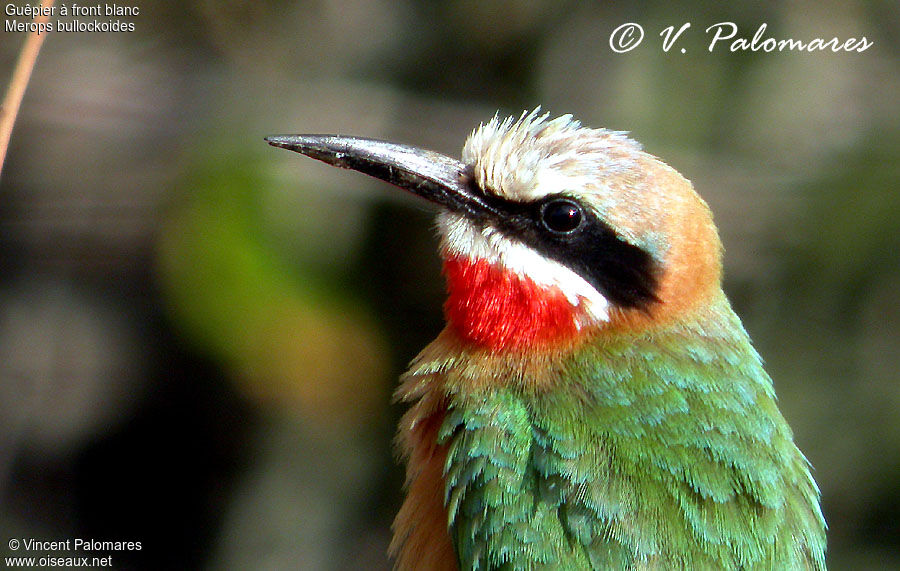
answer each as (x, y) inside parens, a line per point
(284, 330)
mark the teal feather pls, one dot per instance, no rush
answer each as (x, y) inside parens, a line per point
(660, 449)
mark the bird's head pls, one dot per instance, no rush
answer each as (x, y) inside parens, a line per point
(550, 231)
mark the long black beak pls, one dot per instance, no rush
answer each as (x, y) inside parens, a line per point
(439, 178)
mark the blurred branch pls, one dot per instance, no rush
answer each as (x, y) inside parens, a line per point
(20, 78)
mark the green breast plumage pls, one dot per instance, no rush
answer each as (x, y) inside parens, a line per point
(651, 451)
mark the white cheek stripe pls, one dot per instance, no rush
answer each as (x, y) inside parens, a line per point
(461, 237)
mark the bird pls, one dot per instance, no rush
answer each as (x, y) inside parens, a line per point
(593, 402)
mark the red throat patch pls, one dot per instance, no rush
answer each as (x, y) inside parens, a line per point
(497, 309)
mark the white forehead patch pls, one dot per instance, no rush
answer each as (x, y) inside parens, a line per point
(532, 157)
(463, 238)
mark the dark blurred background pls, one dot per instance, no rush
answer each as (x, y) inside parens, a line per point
(200, 334)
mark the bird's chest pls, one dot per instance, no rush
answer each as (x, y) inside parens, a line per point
(503, 507)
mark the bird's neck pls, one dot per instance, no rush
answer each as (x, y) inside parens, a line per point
(492, 307)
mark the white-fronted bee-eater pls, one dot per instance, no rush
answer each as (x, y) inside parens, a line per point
(593, 402)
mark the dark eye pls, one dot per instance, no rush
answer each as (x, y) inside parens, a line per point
(561, 216)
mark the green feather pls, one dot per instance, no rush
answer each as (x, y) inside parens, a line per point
(652, 450)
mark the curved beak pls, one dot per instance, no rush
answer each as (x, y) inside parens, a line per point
(439, 178)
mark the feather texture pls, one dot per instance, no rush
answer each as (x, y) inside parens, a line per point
(652, 450)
